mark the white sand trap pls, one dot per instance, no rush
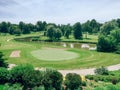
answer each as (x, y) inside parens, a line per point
(15, 53)
(85, 46)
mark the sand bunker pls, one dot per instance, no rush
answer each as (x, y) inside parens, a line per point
(15, 53)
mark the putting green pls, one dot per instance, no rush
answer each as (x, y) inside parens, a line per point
(53, 54)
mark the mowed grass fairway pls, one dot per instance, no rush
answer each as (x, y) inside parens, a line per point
(84, 58)
(54, 54)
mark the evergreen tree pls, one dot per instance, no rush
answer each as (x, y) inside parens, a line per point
(77, 31)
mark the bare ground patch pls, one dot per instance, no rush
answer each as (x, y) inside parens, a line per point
(15, 53)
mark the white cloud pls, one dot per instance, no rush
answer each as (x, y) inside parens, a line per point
(60, 11)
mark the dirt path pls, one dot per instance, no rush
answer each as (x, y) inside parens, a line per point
(15, 53)
(89, 71)
(79, 71)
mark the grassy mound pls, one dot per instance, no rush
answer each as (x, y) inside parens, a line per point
(53, 54)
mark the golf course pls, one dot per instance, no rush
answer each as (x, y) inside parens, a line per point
(41, 54)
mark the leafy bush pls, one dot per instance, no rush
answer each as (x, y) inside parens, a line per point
(38, 88)
(13, 87)
(2, 61)
(118, 49)
(72, 81)
(106, 44)
(84, 83)
(22, 74)
(101, 71)
(4, 75)
(32, 79)
(52, 79)
(114, 80)
(90, 77)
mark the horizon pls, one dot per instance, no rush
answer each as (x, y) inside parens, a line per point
(58, 11)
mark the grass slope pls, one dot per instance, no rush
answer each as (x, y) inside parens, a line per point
(86, 58)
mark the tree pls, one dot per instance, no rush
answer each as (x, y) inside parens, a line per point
(68, 30)
(57, 34)
(32, 79)
(116, 34)
(118, 21)
(13, 29)
(72, 81)
(25, 28)
(53, 33)
(86, 28)
(41, 25)
(108, 27)
(106, 44)
(21, 25)
(4, 27)
(95, 26)
(2, 61)
(19, 75)
(52, 79)
(77, 31)
(50, 32)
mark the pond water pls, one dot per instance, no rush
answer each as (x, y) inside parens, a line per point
(64, 44)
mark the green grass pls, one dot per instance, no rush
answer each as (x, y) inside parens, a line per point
(53, 54)
(1, 87)
(86, 59)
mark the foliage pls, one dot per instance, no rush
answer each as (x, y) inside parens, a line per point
(108, 87)
(13, 87)
(2, 61)
(72, 81)
(91, 26)
(118, 48)
(38, 88)
(101, 71)
(66, 30)
(106, 44)
(107, 27)
(4, 27)
(32, 79)
(4, 75)
(53, 33)
(109, 43)
(77, 31)
(23, 74)
(114, 81)
(116, 35)
(52, 79)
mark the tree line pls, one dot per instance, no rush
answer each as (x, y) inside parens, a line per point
(51, 30)
(108, 39)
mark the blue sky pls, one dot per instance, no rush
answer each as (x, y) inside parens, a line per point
(59, 11)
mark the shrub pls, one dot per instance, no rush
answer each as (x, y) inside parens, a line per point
(32, 79)
(4, 75)
(101, 71)
(72, 81)
(84, 83)
(90, 77)
(52, 79)
(13, 87)
(106, 44)
(114, 81)
(23, 74)
(2, 61)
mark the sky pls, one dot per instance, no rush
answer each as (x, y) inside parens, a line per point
(59, 11)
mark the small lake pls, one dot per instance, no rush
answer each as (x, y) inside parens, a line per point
(64, 44)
